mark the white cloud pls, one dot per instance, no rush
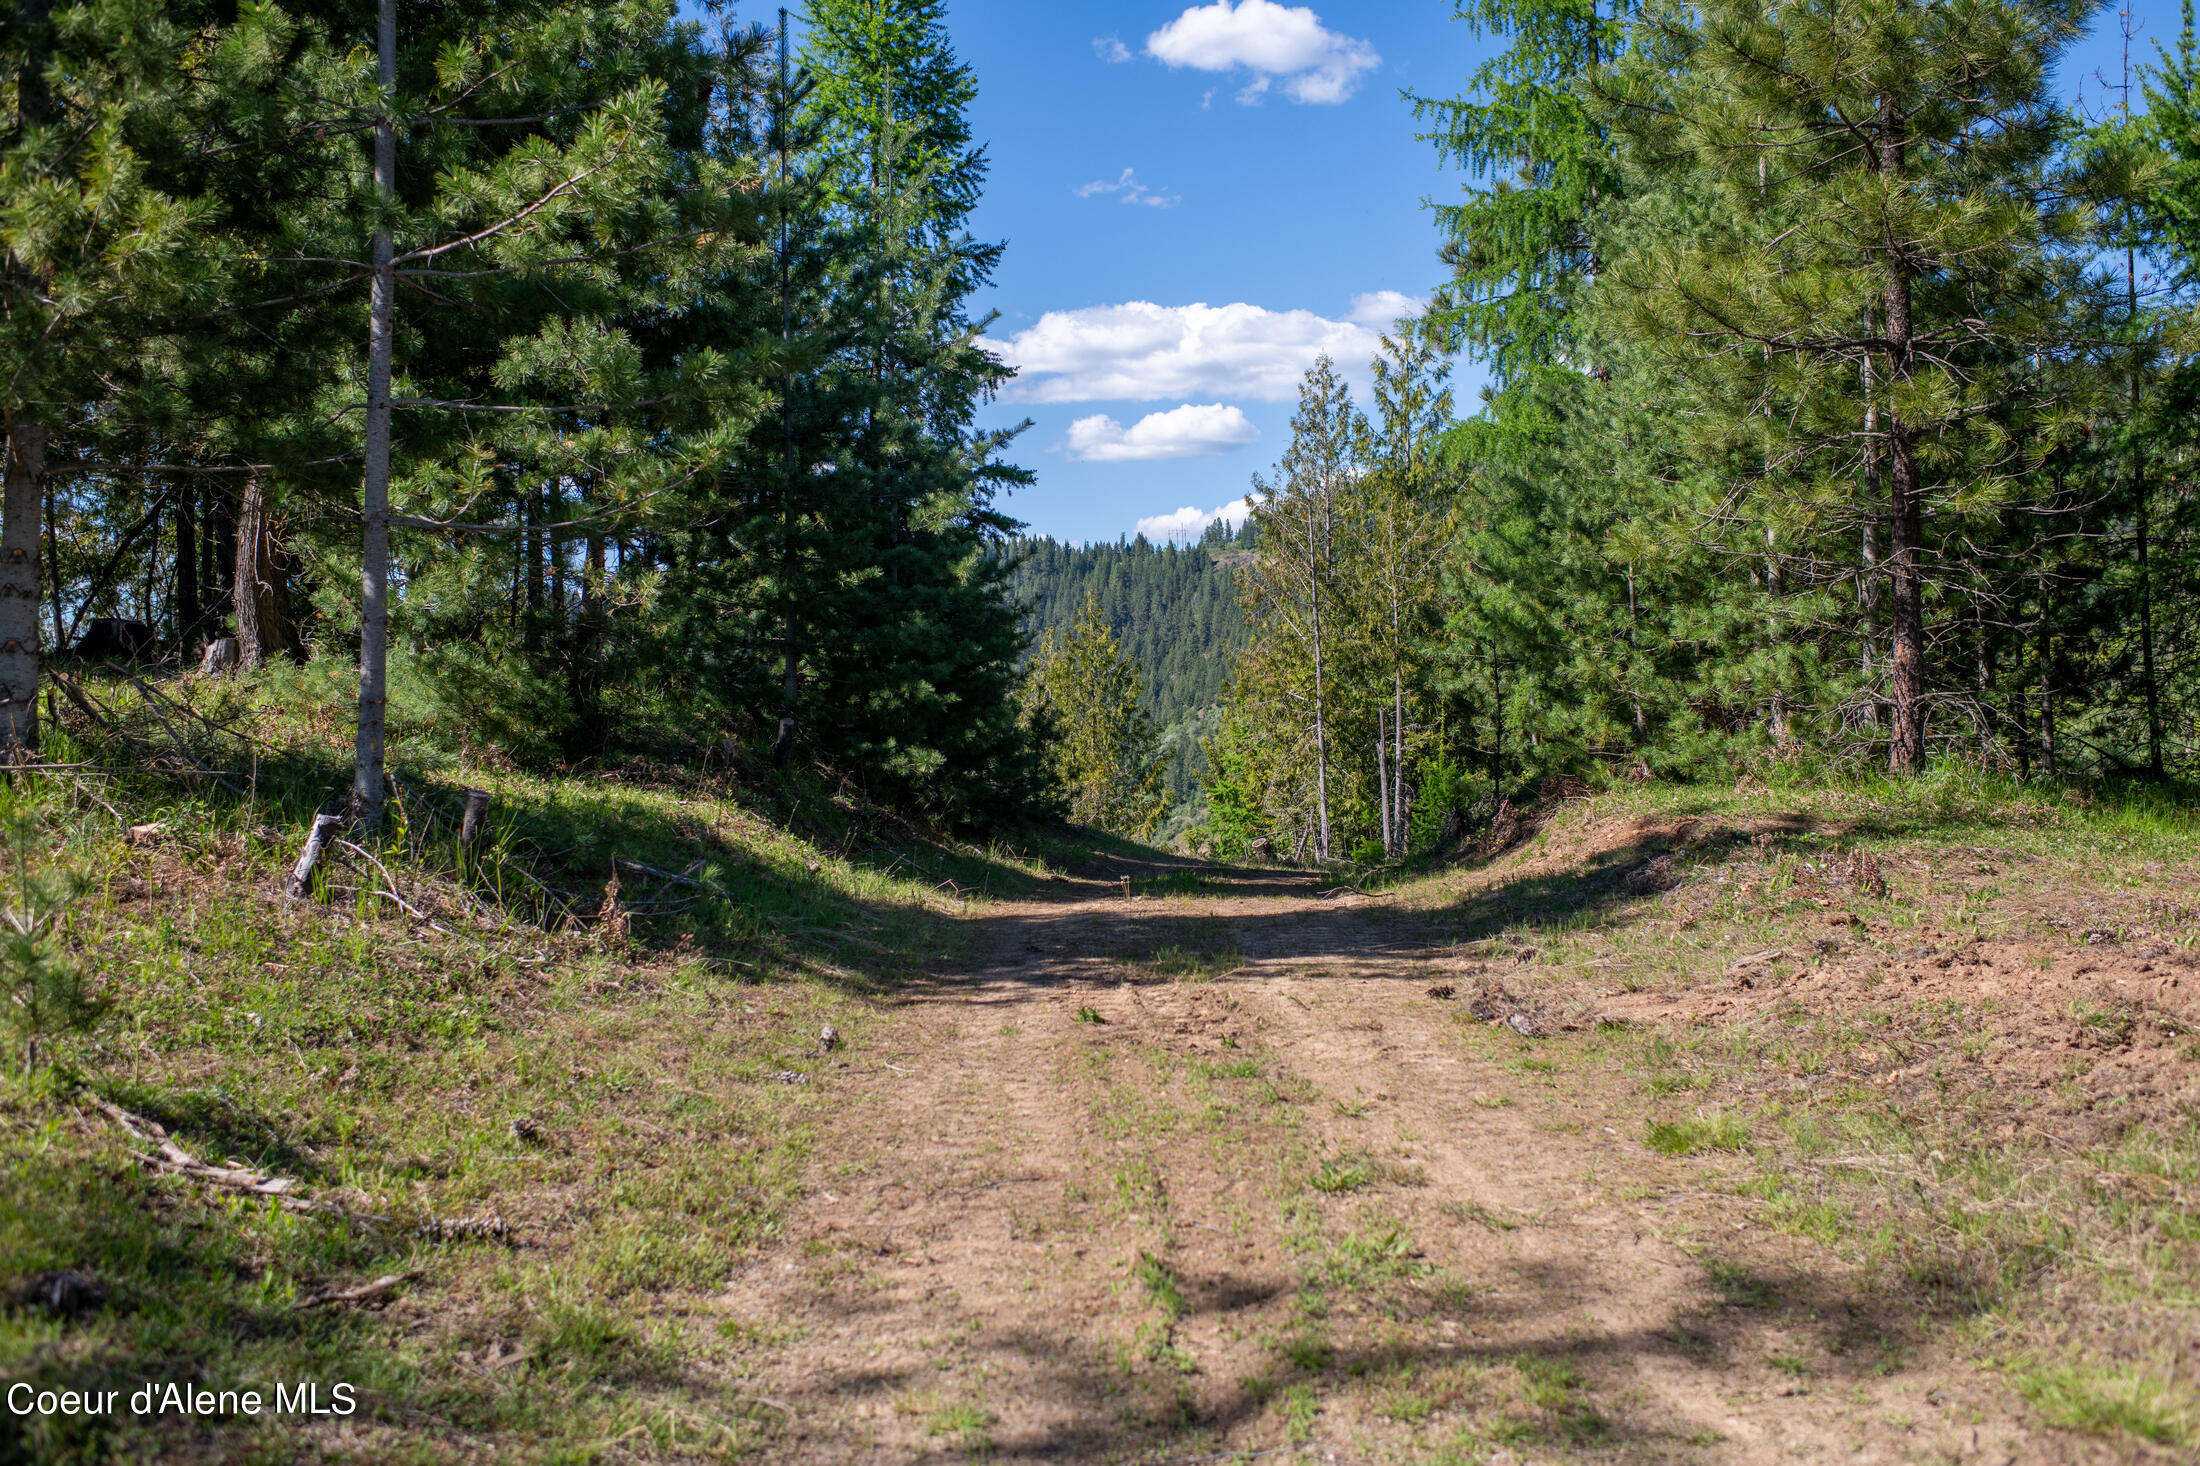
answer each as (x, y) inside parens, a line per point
(1110, 49)
(1189, 523)
(1190, 431)
(1132, 190)
(1142, 352)
(1382, 309)
(1273, 41)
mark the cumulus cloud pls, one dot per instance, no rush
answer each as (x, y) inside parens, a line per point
(1190, 523)
(1110, 49)
(1131, 189)
(1141, 352)
(1274, 42)
(1384, 308)
(1190, 431)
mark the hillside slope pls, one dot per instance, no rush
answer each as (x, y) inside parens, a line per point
(1173, 608)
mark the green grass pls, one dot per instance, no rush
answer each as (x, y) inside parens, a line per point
(476, 1073)
(1184, 882)
(1345, 1174)
(1161, 1285)
(1696, 1135)
(2112, 1401)
(966, 1425)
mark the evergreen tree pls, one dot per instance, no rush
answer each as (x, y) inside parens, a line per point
(1874, 265)
(1082, 700)
(90, 247)
(1294, 598)
(1173, 609)
(1521, 249)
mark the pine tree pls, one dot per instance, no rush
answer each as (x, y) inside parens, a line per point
(1082, 700)
(89, 248)
(1521, 248)
(1873, 262)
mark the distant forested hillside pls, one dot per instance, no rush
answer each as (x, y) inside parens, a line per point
(1173, 607)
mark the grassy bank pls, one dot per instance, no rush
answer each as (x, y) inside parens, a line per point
(545, 1094)
(1940, 1043)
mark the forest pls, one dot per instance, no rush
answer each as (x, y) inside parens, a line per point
(597, 382)
(1173, 610)
(1840, 420)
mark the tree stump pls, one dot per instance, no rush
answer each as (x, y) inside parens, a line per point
(475, 824)
(324, 830)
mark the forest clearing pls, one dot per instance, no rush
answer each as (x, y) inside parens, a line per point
(601, 863)
(1682, 1125)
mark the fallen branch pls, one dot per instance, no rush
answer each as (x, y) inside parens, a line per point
(153, 704)
(69, 690)
(663, 875)
(391, 893)
(380, 1287)
(175, 1159)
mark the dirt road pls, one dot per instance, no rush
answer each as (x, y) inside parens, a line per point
(1175, 1177)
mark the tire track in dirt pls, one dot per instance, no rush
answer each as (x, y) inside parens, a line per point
(959, 1277)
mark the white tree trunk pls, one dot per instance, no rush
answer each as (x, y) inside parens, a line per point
(374, 610)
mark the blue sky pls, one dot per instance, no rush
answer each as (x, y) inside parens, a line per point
(1249, 156)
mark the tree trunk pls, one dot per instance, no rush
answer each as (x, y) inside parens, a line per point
(1321, 720)
(20, 511)
(183, 601)
(244, 585)
(374, 609)
(221, 533)
(1906, 516)
(1497, 730)
(52, 570)
(534, 569)
(1398, 756)
(2047, 686)
(790, 685)
(475, 822)
(1382, 775)
(260, 584)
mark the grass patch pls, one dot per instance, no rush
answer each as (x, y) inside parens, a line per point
(2117, 1400)
(1181, 882)
(1161, 1285)
(1342, 1175)
(1696, 1135)
(967, 1426)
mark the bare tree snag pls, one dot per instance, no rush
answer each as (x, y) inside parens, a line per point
(325, 827)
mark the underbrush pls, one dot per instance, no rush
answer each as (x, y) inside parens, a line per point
(477, 1132)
